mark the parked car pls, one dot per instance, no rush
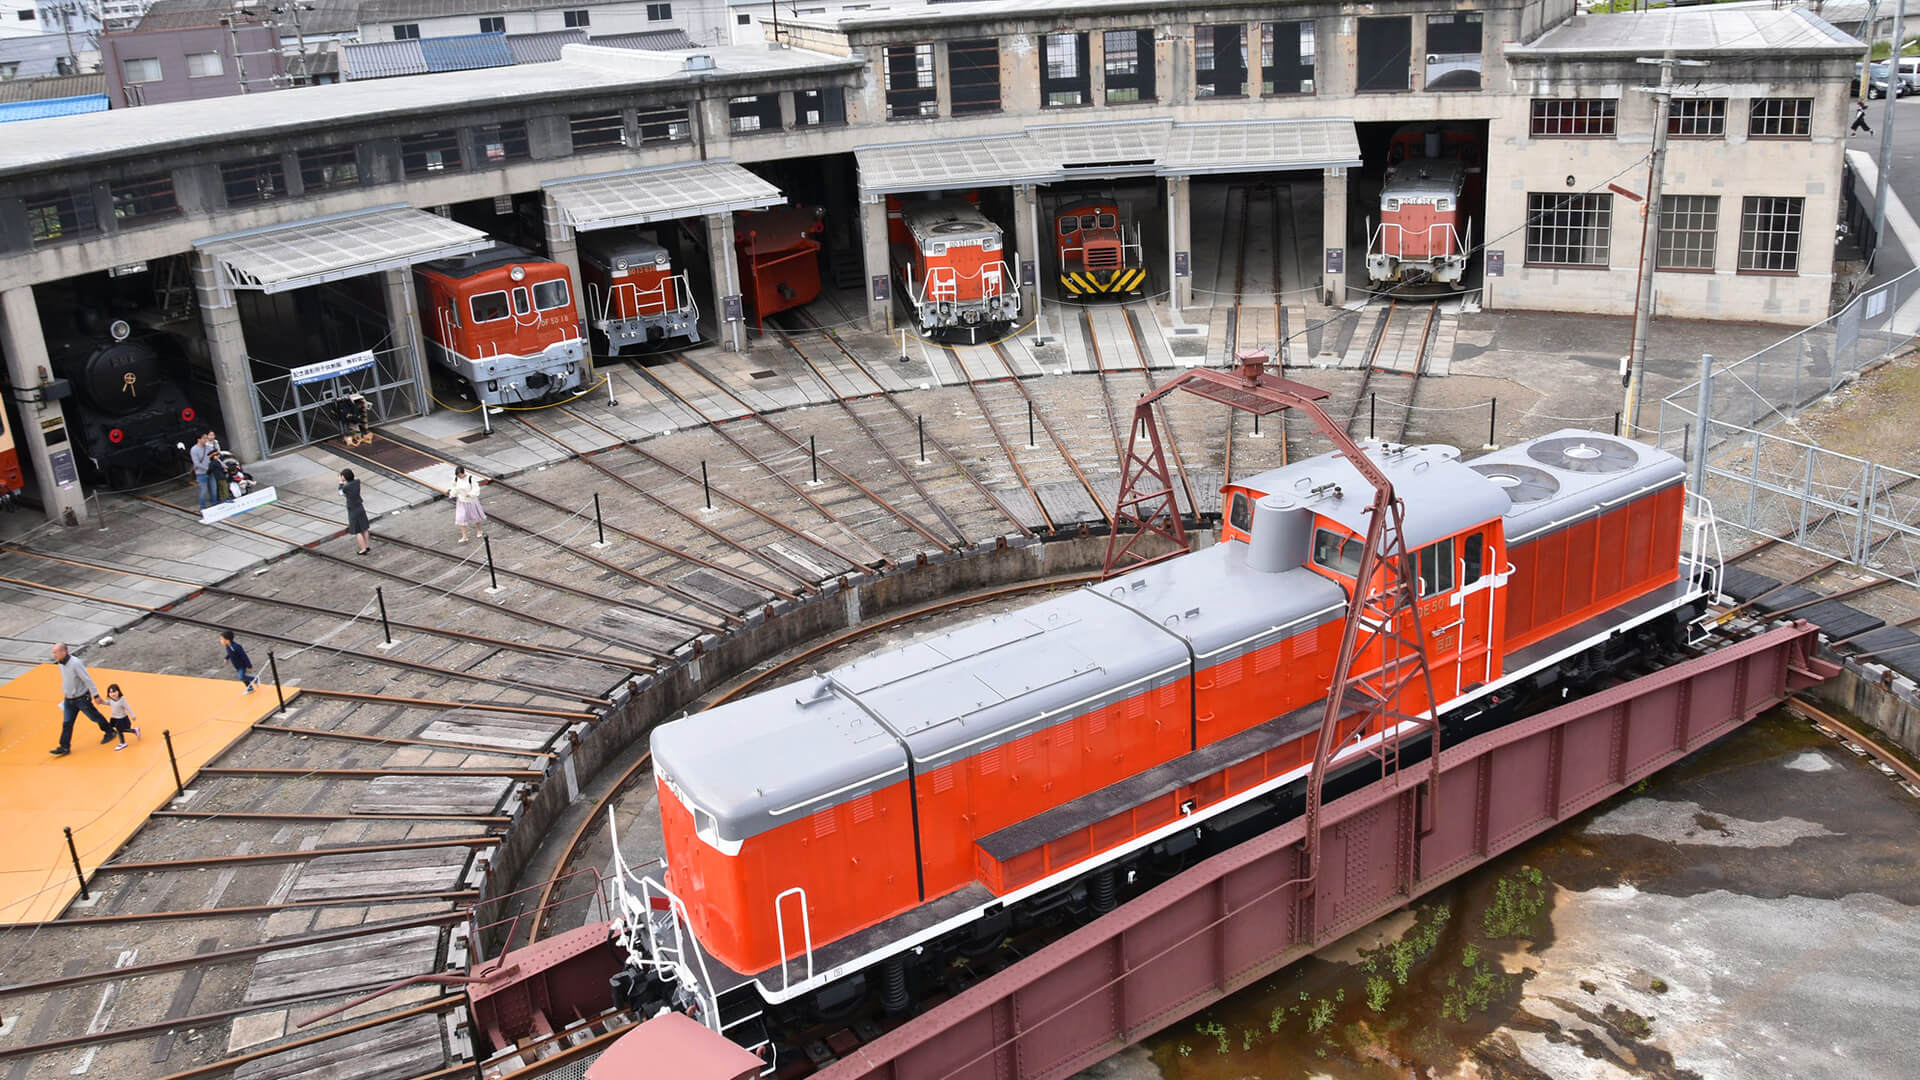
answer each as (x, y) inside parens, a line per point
(1910, 74)
(1880, 80)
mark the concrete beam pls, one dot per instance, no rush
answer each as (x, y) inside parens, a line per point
(43, 432)
(1180, 238)
(725, 260)
(227, 349)
(1333, 231)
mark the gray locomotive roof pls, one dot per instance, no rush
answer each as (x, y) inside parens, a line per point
(760, 761)
(947, 220)
(631, 248)
(1218, 604)
(987, 682)
(756, 763)
(1427, 177)
(1441, 496)
(1544, 492)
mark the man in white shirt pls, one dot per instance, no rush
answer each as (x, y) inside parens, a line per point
(77, 694)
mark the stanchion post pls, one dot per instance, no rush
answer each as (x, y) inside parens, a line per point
(1373, 399)
(492, 578)
(273, 665)
(179, 785)
(920, 424)
(75, 852)
(380, 597)
(599, 525)
(1256, 425)
(1616, 425)
(813, 456)
(706, 489)
(1493, 413)
(1029, 425)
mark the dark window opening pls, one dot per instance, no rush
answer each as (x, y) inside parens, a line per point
(908, 73)
(499, 144)
(1241, 516)
(1065, 79)
(145, 199)
(1129, 65)
(406, 31)
(1453, 51)
(1383, 52)
(1286, 58)
(820, 108)
(60, 216)
(973, 74)
(521, 305)
(489, 307)
(597, 131)
(760, 112)
(1470, 558)
(1337, 552)
(423, 155)
(1575, 117)
(659, 12)
(1220, 61)
(578, 18)
(254, 180)
(334, 167)
(667, 124)
(1780, 118)
(1436, 568)
(493, 24)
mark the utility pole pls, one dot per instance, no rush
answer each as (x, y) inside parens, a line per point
(1635, 374)
(1886, 124)
(1866, 65)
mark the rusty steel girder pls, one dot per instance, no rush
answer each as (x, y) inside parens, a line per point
(1241, 915)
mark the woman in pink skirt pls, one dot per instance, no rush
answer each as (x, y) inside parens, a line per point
(465, 494)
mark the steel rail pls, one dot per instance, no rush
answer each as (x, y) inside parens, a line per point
(900, 468)
(501, 820)
(1047, 426)
(739, 447)
(258, 857)
(449, 706)
(1419, 370)
(587, 457)
(396, 770)
(1817, 715)
(398, 740)
(593, 819)
(440, 1004)
(728, 620)
(908, 519)
(986, 413)
(363, 567)
(455, 896)
(1106, 390)
(1173, 437)
(1373, 359)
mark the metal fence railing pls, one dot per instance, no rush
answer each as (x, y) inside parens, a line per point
(1760, 472)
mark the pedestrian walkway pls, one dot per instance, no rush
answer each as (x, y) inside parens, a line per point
(102, 794)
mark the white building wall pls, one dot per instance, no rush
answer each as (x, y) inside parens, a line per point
(18, 18)
(703, 20)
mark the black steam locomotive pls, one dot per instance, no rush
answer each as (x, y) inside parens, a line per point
(129, 410)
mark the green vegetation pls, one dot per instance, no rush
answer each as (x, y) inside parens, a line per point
(1216, 1031)
(1659, 985)
(1517, 901)
(1321, 1016)
(1379, 991)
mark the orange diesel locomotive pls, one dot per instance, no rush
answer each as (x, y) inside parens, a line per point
(1424, 235)
(1097, 258)
(953, 272)
(918, 805)
(633, 295)
(11, 481)
(503, 319)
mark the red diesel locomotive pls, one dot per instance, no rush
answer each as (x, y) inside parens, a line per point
(952, 270)
(1096, 256)
(914, 807)
(1424, 235)
(633, 295)
(503, 320)
(11, 482)
(779, 252)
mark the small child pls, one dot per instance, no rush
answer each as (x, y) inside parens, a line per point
(237, 656)
(120, 714)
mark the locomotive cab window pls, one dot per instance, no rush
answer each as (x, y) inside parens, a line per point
(548, 295)
(1106, 221)
(489, 307)
(1436, 568)
(1240, 516)
(521, 304)
(1069, 226)
(1335, 552)
(1474, 549)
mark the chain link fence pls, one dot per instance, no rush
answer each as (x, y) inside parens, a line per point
(1762, 478)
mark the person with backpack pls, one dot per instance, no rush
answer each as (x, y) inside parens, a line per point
(237, 656)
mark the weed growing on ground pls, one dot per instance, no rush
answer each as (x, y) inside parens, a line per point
(1321, 1016)
(1659, 985)
(1517, 900)
(1216, 1031)
(1378, 991)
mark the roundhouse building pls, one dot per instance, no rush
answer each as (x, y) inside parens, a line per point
(220, 227)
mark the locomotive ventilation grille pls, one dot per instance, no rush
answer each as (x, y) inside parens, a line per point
(1585, 454)
(948, 227)
(1103, 258)
(1522, 483)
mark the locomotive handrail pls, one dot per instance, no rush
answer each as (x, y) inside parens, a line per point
(1378, 241)
(806, 933)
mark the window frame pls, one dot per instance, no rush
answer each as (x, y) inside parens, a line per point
(406, 31)
(1074, 74)
(659, 13)
(48, 216)
(566, 295)
(1136, 76)
(1436, 568)
(604, 131)
(321, 162)
(145, 199)
(1595, 201)
(1207, 81)
(1454, 18)
(1749, 214)
(579, 18)
(1240, 512)
(921, 101)
(973, 89)
(1472, 557)
(1321, 534)
(1799, 117)
(1712, 124)
(1306, 58)
(126, 72)
(1700, 208)
(499, 24)
(246, 177)
(1362, 27)
(1598, 118)
(506, 307)
(219, 62)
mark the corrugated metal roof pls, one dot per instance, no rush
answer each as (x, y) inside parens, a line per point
(316, 16)
(661, 193)
(658, 40)
(992, 160)
(543, 47)
(67, 106)
(318, 250)
(52, 86)
(465, 52)
(1692, 32)
(383, 59)
(1260, 145)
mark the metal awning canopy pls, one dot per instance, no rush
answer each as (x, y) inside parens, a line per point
(660, 193)
(1260, 146)
(312, 252)
(1058, 152)
(949, 164)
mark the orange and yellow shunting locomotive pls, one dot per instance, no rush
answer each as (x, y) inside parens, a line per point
(1097, 255)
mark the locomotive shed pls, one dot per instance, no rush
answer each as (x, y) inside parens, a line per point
(367, 853)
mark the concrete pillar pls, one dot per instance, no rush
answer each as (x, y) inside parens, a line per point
(403, 329)
(43, 432)
(1096, 67)
(227, 349)
(942, 80)
(873, 242)
(1026, 228)
(563, 247)
(1180, 238)
(729, 326)
(1333, 232)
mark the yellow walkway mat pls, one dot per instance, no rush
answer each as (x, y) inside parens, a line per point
(102, 794)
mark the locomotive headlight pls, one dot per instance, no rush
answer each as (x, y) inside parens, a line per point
(620, 265)
(990, 244)
(660, 259)
(1444, 205)
(936, 249)
(1393, 204)
(518, 273)
(119, 330)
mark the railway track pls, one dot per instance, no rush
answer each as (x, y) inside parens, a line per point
(1401, 346)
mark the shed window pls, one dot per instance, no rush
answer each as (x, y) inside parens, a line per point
(1064, 78)
(1286, 58)
(437, 151)
(1453, 51)
(144, 199)
(1220, 60)
(252, 181)
(493, 24)
(820, 108)
(489, 307)
(1129, 65)
(1383, 53)
(668, 123)
(406, 31)
(908, 73)
(498, 144)
(973, 75)
(577, 18)
(333, 167)
(759, 112)
(60, 215)
(597, 131)
(1337, 552)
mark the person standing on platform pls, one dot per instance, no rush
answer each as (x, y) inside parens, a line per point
(466, 503)
(357, 523)
(237, 656)
(202, 455)
(77, 694)
(121, 714)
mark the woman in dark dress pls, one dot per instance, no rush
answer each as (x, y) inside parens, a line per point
(356, 511)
